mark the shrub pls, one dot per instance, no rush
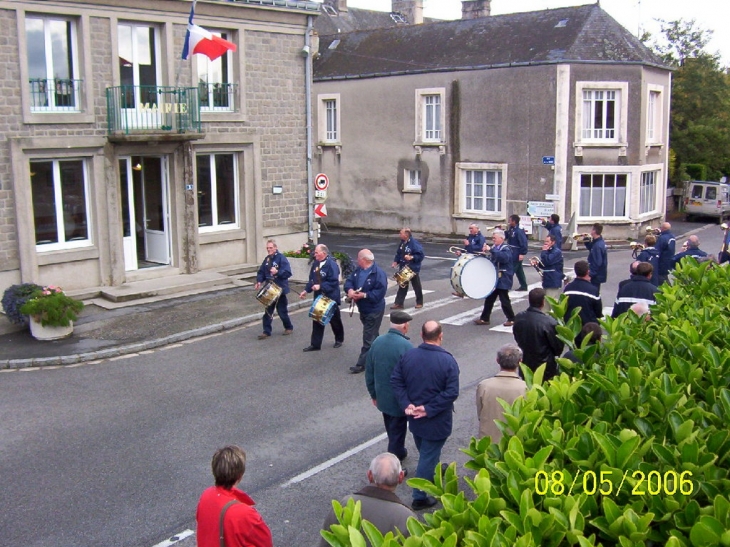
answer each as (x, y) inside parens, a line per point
(630, 447)
(13, 299)
(305, 251)
(52, 307)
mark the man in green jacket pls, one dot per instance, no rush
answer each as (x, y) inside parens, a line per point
(384, 354)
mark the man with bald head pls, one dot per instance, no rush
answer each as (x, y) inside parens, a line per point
(426, 383)
(665, 244)
(366, 287)
(693, 249)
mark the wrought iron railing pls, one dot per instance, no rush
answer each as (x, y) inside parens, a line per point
(55, 94)
(145, 108)
(217, 97)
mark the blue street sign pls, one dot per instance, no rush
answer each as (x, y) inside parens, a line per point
(548, 160)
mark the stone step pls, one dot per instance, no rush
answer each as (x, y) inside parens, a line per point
(166, 286)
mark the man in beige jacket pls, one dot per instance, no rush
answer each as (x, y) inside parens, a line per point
(506, 385)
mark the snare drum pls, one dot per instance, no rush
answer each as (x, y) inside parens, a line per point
(269, 293)
(404, 275)
(474, 276)
(322, 309)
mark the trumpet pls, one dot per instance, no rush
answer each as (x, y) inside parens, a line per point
(581, 236)
(653, 231)
(724, 227)
(536, 263)
(636, 248)
(495, 227)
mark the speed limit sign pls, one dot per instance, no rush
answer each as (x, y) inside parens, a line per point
(321, 182)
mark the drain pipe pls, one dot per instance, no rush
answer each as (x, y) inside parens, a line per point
(307, 53)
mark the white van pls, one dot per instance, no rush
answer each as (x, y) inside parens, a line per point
(703, 198)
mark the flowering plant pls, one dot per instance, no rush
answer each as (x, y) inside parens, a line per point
(13, 299)
(51, 307)
(305, 252)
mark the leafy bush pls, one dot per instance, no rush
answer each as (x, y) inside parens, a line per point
(631, 447)
(305, 251)
(13, 299)
(346, 263)
(52, 307)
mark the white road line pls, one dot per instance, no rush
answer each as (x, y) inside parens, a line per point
(440, 258)
(337, 459)
(174, 539)
(607, 311)
(463, 318)
(390, 299)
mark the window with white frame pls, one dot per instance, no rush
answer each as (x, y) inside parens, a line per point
(603, 194)
(217, 92)
(654, 115)
(601, 113)
(329, 118)
(482, 190)
(217, 191)
(647, 191)
(60, 203)
(430, 116)
(52, 64)
(412, 180)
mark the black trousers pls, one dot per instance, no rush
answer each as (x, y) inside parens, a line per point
(520, 274)
(337, 328)
(597, 284)
(396, 427)
(370, 331)
(503, 295)
(400, 296)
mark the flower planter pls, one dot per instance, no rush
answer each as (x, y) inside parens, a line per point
(40, 332)
(300, 269)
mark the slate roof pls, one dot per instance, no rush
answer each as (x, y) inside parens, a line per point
(581, 34)
(356, 19)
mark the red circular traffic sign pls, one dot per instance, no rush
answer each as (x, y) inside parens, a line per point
(321, 182)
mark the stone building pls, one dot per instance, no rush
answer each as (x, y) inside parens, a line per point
(438, 125)
(122, 162)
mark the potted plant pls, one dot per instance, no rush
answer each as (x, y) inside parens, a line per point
(13, 299)
(299, 261)
(52, 313)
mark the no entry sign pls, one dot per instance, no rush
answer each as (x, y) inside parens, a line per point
(321, 182)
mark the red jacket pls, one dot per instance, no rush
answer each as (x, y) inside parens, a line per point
(243, 526)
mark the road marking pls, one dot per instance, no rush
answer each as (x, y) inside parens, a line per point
(463, 318)
(440, 258)
(337, 459)
(174, 539)
(607, 311)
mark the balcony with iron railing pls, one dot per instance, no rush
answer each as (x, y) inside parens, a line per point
(163, 112)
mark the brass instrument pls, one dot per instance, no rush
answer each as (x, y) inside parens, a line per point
(636, 248)
(653, 231)
(724, 226)
(461, 250)
(581, 236)
(536, 263)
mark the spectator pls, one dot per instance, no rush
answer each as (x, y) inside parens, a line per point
(593, 332)
(535, 333)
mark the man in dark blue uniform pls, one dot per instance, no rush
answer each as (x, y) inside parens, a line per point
(693, 249)
(517, 240)
(665, 244)
(276, 268)
(501, 256)
(639, 289)
(410, 253)
(554, 229)
(597, 256)
(583, 294)
(474, 241)
(650, 254)
(551, 258)
(324, 278)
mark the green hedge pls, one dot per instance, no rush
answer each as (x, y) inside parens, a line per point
(630, 448)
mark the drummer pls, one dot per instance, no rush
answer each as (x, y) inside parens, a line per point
(275, 268)
(474, 241)
(501, 256)
(410, 253)
(324, 279)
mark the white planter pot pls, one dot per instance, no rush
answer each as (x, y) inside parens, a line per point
(40, 332)
(300, 269)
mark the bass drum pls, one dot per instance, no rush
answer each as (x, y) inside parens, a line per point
(473, 276)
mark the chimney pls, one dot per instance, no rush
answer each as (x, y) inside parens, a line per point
(473, 9)
(340, 6)
(411, 9)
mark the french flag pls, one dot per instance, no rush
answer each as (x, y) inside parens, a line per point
(199, 40)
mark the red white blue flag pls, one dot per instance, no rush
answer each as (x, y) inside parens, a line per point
(199, 40)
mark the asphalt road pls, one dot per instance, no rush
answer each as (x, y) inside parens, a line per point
(117, 453)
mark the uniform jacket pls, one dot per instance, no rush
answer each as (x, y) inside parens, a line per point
(584, 294)
(638, 289)
(411, 247)
(242, 526)
(597, 259)
(697, 253)
(556, 231)
(535, 333)
(501, 257)
(385, 352)
(326, 274)
(665, 245)
(280, 262)
(428, 375)
(381, 507)
(651, 255)
(552, 274)
(476, 242)
(517, 239)
(374, 287)
(505, 385)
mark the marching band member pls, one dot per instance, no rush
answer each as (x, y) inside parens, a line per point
(665, 244)
(517, 239)
(554, 229)
(724, 255)
(409, 253)
(551, 258)
(597, 256)
(501, 257)
(474, 242)
(324, 278)
(650, 254)
(276, 268)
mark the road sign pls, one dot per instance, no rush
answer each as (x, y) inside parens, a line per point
(541, 209)
(321, 182)
(320, 194)
(548, 160)
(320, 211)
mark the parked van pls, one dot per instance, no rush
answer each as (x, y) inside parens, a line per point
(703, 198)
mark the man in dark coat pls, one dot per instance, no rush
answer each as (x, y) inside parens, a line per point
(276, 268)
(638, 289)
(554, 229)
(366, 286)
(650, 254)
(426, 383)
(384, 354)
(583, 294)
(324, 278)
(501, 256)
(409, 253)
(474, 242)
(665, 244)
(693, 249)
(535, 333)
(597, 256)
(551, 259)
(517, 240)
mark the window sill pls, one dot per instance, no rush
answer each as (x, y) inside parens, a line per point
(59, 256)
(336, 146)
(222, 235)
(419, 146)
(58, 118)
(412, 190)
(579, 146)
(468, 215)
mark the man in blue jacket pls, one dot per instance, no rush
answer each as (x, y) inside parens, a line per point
(501, 256)
(638, 289)
(366, 287)
(474, 241)
(665, 244)
(276, 268)
(324, 278)
(551, 258)
(693, 249)
(517, 240)
(426, 383)
(650, 254)
(597, 256)
(410, 253)
(554, 229)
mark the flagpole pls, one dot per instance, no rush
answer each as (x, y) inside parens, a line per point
(185, 46)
